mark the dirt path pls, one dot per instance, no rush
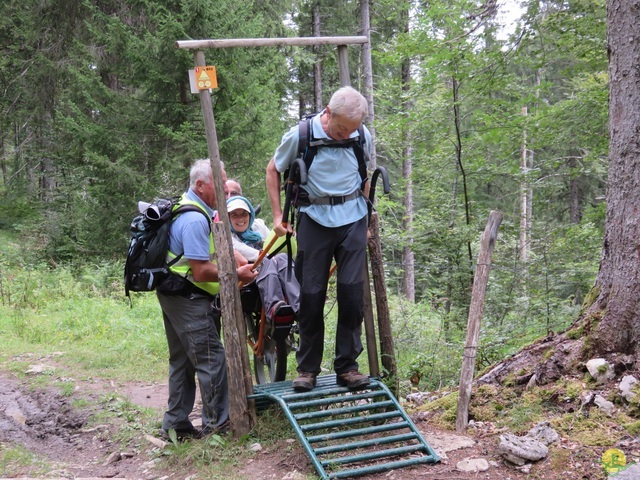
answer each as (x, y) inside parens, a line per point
(46, 424)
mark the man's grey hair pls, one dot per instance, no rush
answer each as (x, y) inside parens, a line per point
(201, 170)
(348, 102)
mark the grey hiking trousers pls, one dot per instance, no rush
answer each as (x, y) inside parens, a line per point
(195, 350)
(317, 246)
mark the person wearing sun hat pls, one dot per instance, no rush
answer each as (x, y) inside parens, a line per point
(279, 291)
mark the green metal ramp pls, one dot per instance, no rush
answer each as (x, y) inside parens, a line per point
(346, 433)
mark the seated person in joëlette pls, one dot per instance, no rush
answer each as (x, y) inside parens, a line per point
(279, 289)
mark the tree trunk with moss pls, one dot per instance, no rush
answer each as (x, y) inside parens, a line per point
(609, 324)
(617, 306)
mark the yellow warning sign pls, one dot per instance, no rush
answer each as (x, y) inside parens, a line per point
(206, 77)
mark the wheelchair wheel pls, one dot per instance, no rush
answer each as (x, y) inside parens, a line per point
(272, 366)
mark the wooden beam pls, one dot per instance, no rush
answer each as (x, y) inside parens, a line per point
(270, 42)
(478, 292)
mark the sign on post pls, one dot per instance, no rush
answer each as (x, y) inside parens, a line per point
(202, 78)
(206, 77)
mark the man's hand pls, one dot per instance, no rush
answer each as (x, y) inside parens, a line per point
(245, 274)
(280, 229)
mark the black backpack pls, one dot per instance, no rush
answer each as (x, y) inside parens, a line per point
(146, 264)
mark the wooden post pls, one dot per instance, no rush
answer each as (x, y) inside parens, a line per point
(480, 281)
(241, 412)
(343, 65)
(369, 324)
(387, 351)
(370, 328)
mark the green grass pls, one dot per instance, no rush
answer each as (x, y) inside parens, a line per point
(93, 335)
(16, 458)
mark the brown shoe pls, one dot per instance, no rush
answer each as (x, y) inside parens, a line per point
(304, 382)
(353, 379)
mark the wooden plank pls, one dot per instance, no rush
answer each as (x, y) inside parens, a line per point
(478, 292)
(270, 42)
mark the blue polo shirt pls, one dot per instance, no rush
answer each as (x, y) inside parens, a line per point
(189, 232)
(334, 172)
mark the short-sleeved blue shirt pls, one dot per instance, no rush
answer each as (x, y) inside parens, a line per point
(189, 233)
(334, 172)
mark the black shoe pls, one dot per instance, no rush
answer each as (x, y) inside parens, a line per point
(304, 382)
(353, 379)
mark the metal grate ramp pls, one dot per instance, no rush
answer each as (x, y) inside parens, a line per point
(349, 433)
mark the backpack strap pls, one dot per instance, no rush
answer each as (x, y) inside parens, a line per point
(182, 208)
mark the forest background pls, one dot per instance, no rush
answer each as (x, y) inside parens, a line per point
(97, 114)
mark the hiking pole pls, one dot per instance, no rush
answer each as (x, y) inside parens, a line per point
(297, 175)
(372, 189)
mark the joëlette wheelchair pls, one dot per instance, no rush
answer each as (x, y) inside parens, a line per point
(270, 342)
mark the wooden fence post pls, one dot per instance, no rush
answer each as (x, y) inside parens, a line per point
(241, 411)
(480, 281)
(387, 351)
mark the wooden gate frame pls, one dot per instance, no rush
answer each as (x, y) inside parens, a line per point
(242, 410)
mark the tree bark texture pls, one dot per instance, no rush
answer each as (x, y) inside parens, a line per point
(387, 350)
(317, 66)
(367, 70)
(618, 280)
(241, 412)
(480, 280)
(408, 267)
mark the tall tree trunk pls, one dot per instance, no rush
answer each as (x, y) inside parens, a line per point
(317, 66)
(525, 206)
(574, 193)
(618, 280)
(367, 70)
(408, 270)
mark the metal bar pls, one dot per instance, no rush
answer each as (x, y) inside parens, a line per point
(365, 443)
(314, 459)
(349, 421)
(373, 455)
(383, 467)
(332, 400)
(356, 432)
(315, 393)
(343, 411)
(270, 42)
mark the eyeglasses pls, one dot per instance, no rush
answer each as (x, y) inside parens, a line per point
(233, 193)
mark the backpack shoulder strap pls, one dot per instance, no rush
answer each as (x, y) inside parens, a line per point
(305, 135)
(183, 205)
(358, 150)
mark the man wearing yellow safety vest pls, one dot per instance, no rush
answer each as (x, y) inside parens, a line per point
(195, 349)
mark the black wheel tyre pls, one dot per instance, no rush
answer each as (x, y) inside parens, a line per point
(272, 366)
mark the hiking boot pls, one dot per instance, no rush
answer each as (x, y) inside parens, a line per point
(304, 382)
(353, 379)
(281, 314)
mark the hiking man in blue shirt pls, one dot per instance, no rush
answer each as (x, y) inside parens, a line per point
(331, 225)
(195, 349)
